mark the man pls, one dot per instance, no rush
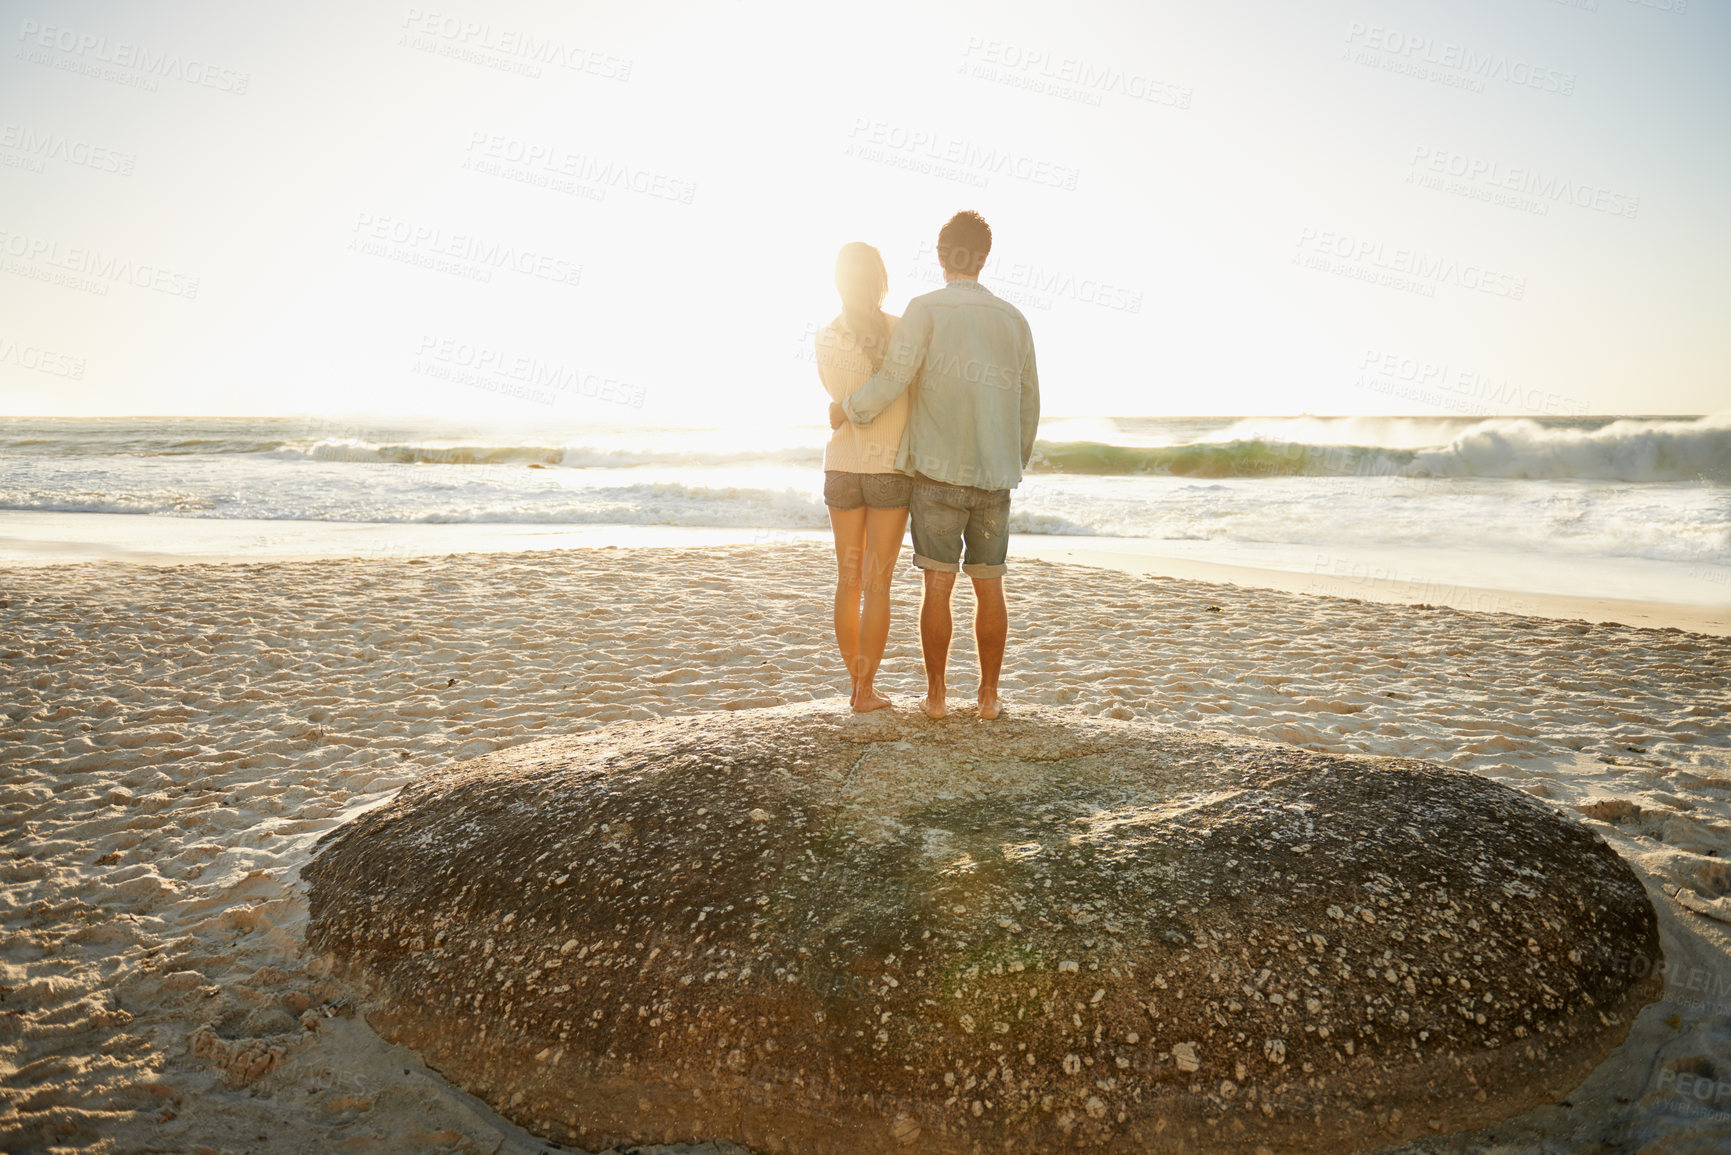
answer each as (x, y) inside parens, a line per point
(968, 357)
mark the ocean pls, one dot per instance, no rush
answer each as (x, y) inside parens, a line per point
(1610, 506)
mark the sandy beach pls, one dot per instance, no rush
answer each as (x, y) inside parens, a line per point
(1697, 598)
(174, 739)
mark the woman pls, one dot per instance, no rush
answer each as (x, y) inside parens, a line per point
(867, 496)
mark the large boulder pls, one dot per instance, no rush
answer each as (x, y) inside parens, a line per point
(812, 932)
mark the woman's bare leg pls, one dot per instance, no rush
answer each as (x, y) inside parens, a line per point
(850, 534)
(849, 527)
(883, 545)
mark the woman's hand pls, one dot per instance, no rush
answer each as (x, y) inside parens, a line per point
(837, 416)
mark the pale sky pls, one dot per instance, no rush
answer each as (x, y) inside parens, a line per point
(630, 212)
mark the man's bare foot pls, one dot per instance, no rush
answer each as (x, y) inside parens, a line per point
(869, 701)
(990, 706)
(934, 706)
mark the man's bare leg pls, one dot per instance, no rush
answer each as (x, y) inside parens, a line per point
(991, 628)
(883, 544)
(935, 630)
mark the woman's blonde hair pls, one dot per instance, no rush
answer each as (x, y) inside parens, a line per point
(863, 282)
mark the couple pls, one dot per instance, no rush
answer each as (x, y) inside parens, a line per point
(934, 417)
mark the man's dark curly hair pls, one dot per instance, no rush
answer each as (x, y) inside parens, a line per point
(964, 242)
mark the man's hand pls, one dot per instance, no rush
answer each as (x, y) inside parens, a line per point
(837, 416)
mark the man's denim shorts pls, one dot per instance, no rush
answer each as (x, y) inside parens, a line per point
(877, 490)
(947, 517)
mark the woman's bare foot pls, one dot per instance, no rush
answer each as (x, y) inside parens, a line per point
(867, 702)
(990, 706)
(934, 706)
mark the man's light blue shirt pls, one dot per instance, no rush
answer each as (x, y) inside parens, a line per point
(968, 356)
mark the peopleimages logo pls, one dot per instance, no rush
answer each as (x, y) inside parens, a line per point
(1519, 180)
(877, 140)
(538, 378)
(40, 256)
(475, 40)
(85, 46)
(1038, 280)
(40, 360)
(1352, 577)
(1372, 259)
(549, 165)
(45, 146)
(1400, 51)
(1066, 76)
(1462, 390)
(460, 253)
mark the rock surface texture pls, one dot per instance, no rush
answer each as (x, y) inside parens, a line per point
(811, 932)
